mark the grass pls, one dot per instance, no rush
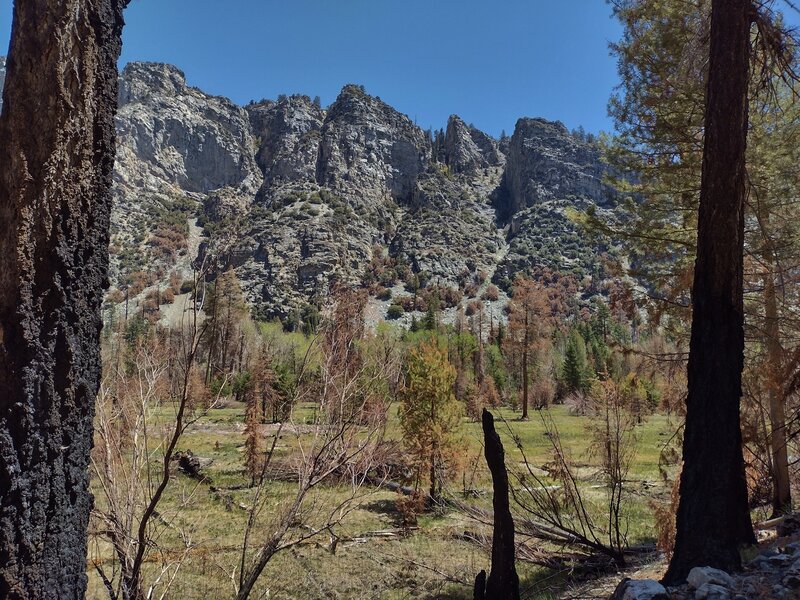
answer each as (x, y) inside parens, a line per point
(432, 562)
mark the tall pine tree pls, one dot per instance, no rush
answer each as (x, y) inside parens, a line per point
(713, 520)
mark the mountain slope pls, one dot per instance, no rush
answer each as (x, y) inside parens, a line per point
(299, 199)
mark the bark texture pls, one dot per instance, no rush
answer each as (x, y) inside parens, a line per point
(56, 160)
(713, 519)
(503, 581)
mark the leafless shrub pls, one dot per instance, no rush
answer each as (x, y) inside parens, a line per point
(561, 527)
(543, 392)
(578, 404)
(555, 510)
(338, 447)
(131, 460)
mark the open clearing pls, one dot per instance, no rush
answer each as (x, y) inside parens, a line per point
(433, 561)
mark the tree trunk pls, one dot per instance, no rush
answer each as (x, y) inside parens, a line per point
(525, 384)
(480, 359)
(212, 339)
(525, 350)
(433, 492)
(713, 520)
(56, 161)
(479, 590)
(781, 489)
(503, 582)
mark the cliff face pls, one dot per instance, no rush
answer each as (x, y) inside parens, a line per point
(177, 150)
(298, 198)
(335, 183)
(179, 135)
(550, 175)
(545, 163)
(343, 184)
(288, 134)
(467, 149)
(369, 149)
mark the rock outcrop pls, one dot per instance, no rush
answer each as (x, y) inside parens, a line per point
(467, 149)
(172, 133)
(177, 147)
(450, 228)
(546, 162)
(335, 184)
(369, 149)
(299, 198)
(373, 186)
(551, 176)
(773, 573)
(641, 589)
(288, 134)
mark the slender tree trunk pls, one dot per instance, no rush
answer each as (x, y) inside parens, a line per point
(480, 361)
(56, 160)
(713, 519)
(781, 494)
(432, 495)
(776, 433)
(525, 384)
(503, 581)
(525, 350)
(212, 344)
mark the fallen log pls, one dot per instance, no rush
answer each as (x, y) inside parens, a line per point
(393, 486)
(383, 534)
(770, 523)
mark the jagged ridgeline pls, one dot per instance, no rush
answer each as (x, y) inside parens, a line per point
(298, 198)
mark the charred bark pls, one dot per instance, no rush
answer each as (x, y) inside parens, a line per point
(56, 160)
(503, 581)
(713, 520)
(479, 590)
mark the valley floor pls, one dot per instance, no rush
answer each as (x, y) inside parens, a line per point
(373, 557)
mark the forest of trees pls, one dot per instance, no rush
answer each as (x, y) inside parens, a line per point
(321, 411)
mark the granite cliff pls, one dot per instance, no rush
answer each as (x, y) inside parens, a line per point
(299, 198)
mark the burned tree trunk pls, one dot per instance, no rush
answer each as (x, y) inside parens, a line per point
(479, 590)
(713, 520)
(56, 160)
(503, 582)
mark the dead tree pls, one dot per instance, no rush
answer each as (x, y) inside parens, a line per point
(339, 448)
(503, 581)
(133, 455)
(56, 161)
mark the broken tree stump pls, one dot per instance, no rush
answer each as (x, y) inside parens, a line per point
(503, 581)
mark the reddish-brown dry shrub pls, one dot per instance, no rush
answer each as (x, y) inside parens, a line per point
(410, 507)
(664, 517)
(491, 293)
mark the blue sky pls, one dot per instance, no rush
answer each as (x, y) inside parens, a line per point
(488, 61)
